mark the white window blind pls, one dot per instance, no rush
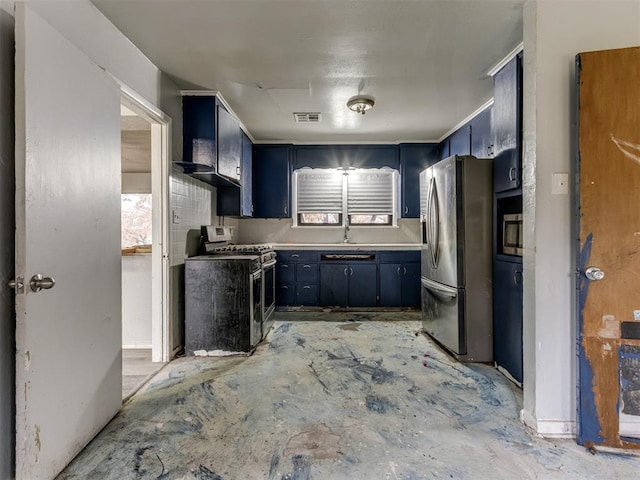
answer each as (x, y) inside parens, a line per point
(370, 192)
(319, 191)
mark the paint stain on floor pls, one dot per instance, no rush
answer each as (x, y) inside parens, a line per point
(320, 402)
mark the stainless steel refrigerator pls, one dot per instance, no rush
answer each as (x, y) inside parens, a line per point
(456, 223)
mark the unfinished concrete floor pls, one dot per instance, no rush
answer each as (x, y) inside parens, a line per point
(352, 398)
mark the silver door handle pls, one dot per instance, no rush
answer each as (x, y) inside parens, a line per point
(351, 271)
(38, 282)
(594, 273)
(398, 270)
(406, 210)
(512, 174)
(306, 266)
(286, 210)
(404, 270)
(345, 271)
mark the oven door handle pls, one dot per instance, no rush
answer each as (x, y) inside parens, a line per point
(256, 275)
(268, 264)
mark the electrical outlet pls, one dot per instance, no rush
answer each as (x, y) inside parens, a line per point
(176, 218)
(560, 184)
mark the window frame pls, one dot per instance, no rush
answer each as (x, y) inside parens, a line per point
(345, 216)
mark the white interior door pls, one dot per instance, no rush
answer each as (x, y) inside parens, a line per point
(68, 338)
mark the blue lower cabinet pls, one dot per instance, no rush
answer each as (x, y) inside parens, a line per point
(307, 272)
(285, 272)
(507, 317)
(286, 295)
(400, 285)
(363, 285)
(307, 294)
(334, 285)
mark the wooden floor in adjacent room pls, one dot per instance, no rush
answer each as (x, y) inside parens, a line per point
(137, 368)
(334, 396)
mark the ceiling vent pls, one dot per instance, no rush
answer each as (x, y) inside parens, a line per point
(307, 117)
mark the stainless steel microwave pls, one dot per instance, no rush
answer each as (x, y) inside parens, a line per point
(512, 234)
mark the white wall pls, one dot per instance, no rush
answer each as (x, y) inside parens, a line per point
(136, 300)
(280, 231)
(7, 228)
(554, 32)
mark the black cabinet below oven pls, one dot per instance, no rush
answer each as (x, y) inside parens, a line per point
(223, 303)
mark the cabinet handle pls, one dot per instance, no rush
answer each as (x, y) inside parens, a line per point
(345, 271)
(307, 287)
(406, 210)
(295, 255)
(286, 210)
(306, 266)
(517, 277)
(398, 270)
(351, 270)
(284, 287)
(512, 174)
(404, 270)
(284, 265)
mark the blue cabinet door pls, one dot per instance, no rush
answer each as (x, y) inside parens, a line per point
(507, 317)
(444, 149)
(246, 207)
(285, 272)
(271, 181)
(334, 285)
(460, 141)
(229, 145)
(199, 131)
(391, 285)
(481, 138)
(410, 285)
(507, 125)
(362, 285)
(413, 159)
(236, 201)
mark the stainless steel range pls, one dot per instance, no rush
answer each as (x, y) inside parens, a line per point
(215, 241)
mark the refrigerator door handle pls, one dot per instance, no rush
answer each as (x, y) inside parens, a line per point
(439, 289)
(433, 212)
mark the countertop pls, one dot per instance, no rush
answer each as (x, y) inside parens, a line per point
(347, 246)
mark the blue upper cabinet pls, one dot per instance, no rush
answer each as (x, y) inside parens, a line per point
(212, 141)
(444, 149)
(229, 145)
(481, 138)
(460, 141)
(357, 156)
(507, 125)
(414, 157)
(271, 181)
(234, 201)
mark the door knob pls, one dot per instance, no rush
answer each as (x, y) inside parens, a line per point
(594, 273)
(38, 282)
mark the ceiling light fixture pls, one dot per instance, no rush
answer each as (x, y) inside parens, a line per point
(360, 103)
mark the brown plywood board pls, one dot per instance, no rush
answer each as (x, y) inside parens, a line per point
(609, 147)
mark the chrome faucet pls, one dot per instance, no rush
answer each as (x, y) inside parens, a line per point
(346, 231)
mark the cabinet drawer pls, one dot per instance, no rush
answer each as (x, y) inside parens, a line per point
(307, 272)
(286, 295)
(307, 295)
(285, 272)
(410, 256)
(296, 256)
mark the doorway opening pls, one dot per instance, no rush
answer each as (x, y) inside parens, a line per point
(145, 332)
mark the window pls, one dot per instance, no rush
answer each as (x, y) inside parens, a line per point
(333, 197)
(136, 219)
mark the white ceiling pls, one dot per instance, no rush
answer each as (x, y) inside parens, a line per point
(425, 62)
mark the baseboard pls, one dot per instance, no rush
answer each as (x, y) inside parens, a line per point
(136, 347)
(549, 428)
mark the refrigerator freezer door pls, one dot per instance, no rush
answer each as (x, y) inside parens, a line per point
(443, 315)
(440, 250)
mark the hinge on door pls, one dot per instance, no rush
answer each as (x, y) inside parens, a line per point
(17, 284)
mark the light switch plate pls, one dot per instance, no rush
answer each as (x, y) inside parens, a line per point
(560, 184)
